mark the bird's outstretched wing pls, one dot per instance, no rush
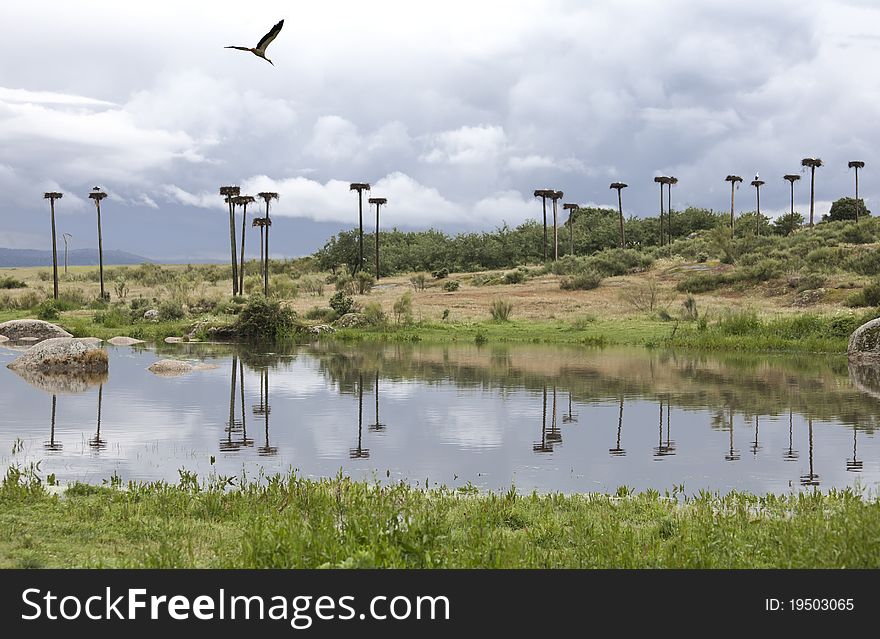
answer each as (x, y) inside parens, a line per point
(267, 39)
(239, 48)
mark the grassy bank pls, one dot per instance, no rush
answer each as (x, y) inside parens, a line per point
(808, 333)
(341, 523)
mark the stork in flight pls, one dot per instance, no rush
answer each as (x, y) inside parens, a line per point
(260, 49)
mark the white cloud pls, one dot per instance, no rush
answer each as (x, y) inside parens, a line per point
(467, 145)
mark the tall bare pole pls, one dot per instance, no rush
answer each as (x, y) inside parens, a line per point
(758, 184)
(544, 194)
(230, 192)
(267, 196)
(97, 195)
(360, 187)
(857, 164)
(557, 195)
(243, 201)
(52, 196)
(619, 186)
(65, 237)
(378, 201)
(661, 180)
(813, 164)
(791, 179)
(571, 208)
(734, 180)
(672, 182)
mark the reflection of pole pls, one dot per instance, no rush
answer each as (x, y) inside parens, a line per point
(98, 443)
(543, 446)
(377, 426)
(228, 444)
(267, 449)
(732, 454)
(52, 444)
(617, 450)
(554, 435)
(810, 479)
(854, 465)
(791, 454)
(360, 452)
(244, 438)
(755, 445)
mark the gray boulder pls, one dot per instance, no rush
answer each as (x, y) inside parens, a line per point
(171, 367)
(3, 338)
(151, 315)
(30, 328)
(124, 341)
(864, 343)
(62, 355)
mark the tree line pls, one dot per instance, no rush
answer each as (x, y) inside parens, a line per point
(587, 231)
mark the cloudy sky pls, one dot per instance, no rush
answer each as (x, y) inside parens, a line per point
(454, 111)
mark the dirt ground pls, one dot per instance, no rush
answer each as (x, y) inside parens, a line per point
(537, 298)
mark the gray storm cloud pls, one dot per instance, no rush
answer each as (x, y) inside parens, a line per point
(455, 112)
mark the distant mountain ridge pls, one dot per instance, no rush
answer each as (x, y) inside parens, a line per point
(76, 257)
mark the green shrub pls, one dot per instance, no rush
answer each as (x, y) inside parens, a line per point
(373, 314)
(325, 315)
(450, 286)
(514, 277)
(341, 303)
(47, 311)
(702, 282)
(345, 285)
(440, 274)
(263, 319)
(169, 311)
(580, 281)
(364, 282)
(810, 281)
(312, 285)
(864, 262)
(766, 269)
(419, 281)
(9, 282)
(403, 308)
(500, 310)
(116, 316)
(283, 287)
(611, 262)
(868, 296)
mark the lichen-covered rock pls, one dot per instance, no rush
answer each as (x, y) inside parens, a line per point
(3, 338)
(171, 367)
(864, 343)
(20, 329)
(321, 329)
(62, 355)
(124, 341)
(351, 320)
(151, 315)
(173, 340)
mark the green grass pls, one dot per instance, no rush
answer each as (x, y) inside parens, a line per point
(295, 522)
(630, 331)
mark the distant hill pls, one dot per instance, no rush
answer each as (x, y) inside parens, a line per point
(76, 257)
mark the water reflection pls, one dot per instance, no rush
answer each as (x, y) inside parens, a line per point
(469, 413)
(811, 478)
(263, 410)
(53, 445)
(617, 451)
(791, 454)
(96, 443)
(668, 448)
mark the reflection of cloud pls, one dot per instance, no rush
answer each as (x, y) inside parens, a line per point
(465, 428)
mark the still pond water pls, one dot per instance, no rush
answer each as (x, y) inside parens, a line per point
(537, 417)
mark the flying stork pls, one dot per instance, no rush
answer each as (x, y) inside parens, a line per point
(260, 49)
